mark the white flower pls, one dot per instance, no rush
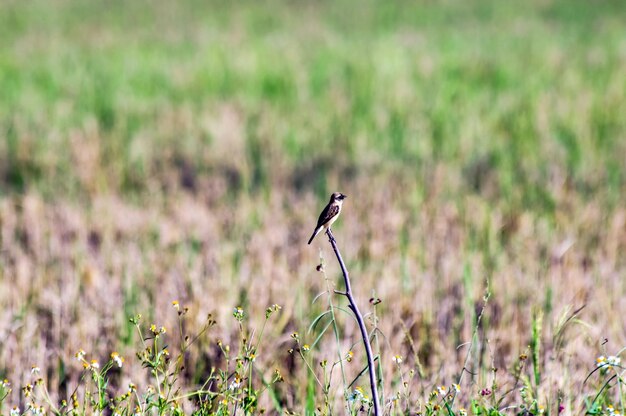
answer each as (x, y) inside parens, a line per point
(80, 355)
(397, 359)
(441, 390)
(15, 411)
(613, 360)
(234, 385)
(608, 362)
(456, 388)
(115, 356)
(35, 370)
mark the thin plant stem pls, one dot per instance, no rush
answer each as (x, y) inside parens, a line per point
(471, 344)
(359, 318)
(380, 367)
(331, 307)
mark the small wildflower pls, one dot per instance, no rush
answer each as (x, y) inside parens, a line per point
(608, 362)
(37, 410)
(441, 390)
(278, 376)
(541, 409)
(295, 336)
(485, 392)
(349, 356)
(238, 313)
(306, 347)
(271, 309)
(613, 361)
(115, 356)
(132, 387)
(4, 384)
(234, 385)
(397, 359)
(35, 370)
(462, 412)
(15, 411)
(456, 388)
(80, 355)
(27, 390)
(94, 364)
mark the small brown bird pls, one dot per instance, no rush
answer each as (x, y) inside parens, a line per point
(330, 214)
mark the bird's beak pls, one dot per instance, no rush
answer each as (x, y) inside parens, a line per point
(344, 196)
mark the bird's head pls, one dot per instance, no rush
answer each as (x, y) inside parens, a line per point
(337, 197)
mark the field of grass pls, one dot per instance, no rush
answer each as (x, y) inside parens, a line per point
(156, 151)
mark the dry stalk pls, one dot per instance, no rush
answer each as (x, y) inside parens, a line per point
(359, 318)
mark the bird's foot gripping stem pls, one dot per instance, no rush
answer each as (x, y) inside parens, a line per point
(331, 238)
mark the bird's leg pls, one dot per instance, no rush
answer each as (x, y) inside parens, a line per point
(330, 235)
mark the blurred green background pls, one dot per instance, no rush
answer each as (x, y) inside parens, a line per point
(508, 95)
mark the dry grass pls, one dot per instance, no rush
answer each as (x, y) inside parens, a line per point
(72, 275)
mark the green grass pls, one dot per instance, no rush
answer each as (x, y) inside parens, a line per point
(480, 85)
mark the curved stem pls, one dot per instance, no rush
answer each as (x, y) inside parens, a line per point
(361, 322)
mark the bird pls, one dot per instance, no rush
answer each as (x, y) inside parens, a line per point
(330, 214)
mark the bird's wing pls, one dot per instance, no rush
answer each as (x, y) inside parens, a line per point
(329, 212)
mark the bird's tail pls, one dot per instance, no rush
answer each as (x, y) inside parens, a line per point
(316, 232)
